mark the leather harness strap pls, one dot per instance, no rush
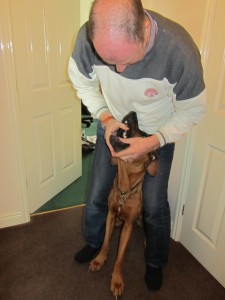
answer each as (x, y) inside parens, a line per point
(123, 197)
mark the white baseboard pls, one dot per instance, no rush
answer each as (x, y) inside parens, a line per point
(13, 219)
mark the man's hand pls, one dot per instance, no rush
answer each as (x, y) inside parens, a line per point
(111, 129)
(138, 147)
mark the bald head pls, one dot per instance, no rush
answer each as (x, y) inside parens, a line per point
(122, 19)
(119, 31)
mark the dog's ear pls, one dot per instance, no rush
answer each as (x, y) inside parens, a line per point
(152, 166)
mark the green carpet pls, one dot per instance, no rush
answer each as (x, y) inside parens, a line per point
(75, 193)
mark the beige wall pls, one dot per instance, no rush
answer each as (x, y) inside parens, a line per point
(190, 14)
(84, 10)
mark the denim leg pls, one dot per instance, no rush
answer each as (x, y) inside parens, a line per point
(101, 182)
(157, 210)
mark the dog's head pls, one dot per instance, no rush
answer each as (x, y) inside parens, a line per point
(132, 123)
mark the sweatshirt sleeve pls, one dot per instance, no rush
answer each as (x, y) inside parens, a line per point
(187, 113)
(83, 77)
(87, 89)
(188, 98)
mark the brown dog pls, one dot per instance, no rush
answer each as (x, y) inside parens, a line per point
(125, 200)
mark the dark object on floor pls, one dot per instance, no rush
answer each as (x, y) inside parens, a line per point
(87, 119)
(36, 262)
(86, 254)
(87, 146)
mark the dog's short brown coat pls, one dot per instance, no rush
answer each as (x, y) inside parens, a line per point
(125, 203)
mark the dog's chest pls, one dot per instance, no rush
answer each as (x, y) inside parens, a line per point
(126, 204)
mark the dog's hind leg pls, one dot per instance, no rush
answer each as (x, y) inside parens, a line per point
(97, 263)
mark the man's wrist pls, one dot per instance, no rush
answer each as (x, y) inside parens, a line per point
(105, 119)
(160, 137)
(153, 143)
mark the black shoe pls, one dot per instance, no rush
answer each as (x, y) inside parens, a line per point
(153, 278)
(86, 254)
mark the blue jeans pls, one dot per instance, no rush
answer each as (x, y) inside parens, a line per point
(155, 202)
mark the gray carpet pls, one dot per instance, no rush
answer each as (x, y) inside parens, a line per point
(36, 263)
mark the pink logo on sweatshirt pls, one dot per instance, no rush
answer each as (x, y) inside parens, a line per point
(151, 92)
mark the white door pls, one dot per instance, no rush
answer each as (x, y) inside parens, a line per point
(42, 33)
(203, 228)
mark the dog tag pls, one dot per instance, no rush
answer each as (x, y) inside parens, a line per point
(122, 198)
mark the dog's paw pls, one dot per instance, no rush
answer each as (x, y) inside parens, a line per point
(117, 285)
(96, 264)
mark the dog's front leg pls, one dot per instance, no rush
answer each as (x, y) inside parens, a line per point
(97, 263)
(117, 284)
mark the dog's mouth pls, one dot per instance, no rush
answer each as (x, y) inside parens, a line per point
(117, 144)
(132, 122)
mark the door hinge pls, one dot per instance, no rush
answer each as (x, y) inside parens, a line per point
(183, 210)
